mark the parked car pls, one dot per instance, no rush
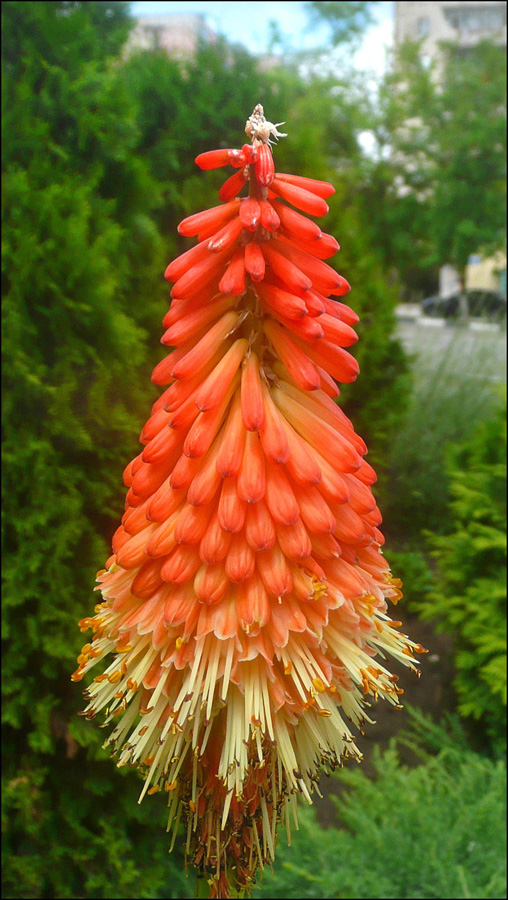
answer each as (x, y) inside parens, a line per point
(480, 304)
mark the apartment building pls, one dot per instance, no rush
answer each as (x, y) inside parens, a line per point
(462, 23)
(178, 35)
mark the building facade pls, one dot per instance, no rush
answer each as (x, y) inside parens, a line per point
(462, 23)
(178, 35)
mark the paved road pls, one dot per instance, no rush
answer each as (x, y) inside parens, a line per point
(478, 349)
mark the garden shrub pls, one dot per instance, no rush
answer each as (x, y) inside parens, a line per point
(436, 830)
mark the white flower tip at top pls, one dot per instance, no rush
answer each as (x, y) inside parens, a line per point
(259, 129)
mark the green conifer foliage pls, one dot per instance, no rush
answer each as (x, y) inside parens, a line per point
(75, 197)
(470, 598)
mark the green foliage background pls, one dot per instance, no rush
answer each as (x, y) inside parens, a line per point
(469, 598)
(427, 831)
(98, 169)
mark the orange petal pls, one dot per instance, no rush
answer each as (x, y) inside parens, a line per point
(350, 527)
(186, 261)
(314, 303)
(231, 510)
(215, 542)
(186, 326)
(273, 435)
(252, 403)
(132, 554)
(163, 539)
(293, 540)
(214, 389)
(285, 617)
(279, 496)
(232, 186)
(287, 271)
(325, 546)
(251, 482)
(373, 518)
(206, 347)
(335, 360)
(301, 463)
(179, 598)
(294, 358)
(164, 502)
(225, 237)
(250, 213)
(264, 168)
(182, 418)
(294, 224)
(338, 332)
(309, 328)
(181, 565)
(303, 585)
(329, 443)
(274, 571)
(148, 580)
(120, 537)
(210, 583)
(273, 297)
(233, 280)
(192, 523)
(254, 261)
(320, 188)
(200, 273)
(269, 217)
(366, 473)
(259, 527)
(372, 560)
(325, 247)
(149, 477)
(362, 498)
(163, 447)
(347, 578)
(252, 603)
(230, 453)
(155, 423)
(208, 218)
(302, 199)
(184, 471)
(206, 481)
(206, 425)
(324, 279)
(181, 390)
(240, 562)
(221, 619)
(315, 511)
(134, 520)
(216, 159)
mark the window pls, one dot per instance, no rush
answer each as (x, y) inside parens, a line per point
(477, 18)
(423, 27)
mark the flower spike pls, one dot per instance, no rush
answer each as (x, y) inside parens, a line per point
(244, 617)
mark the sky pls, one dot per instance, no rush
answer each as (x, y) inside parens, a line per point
(248, 23)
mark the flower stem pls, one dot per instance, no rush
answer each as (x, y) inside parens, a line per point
(203, 890)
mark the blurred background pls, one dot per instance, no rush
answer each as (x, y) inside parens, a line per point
(402, 106)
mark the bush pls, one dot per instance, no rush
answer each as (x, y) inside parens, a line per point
(469, 600)
(430, 832)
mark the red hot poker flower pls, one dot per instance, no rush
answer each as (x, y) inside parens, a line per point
(245, 603)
